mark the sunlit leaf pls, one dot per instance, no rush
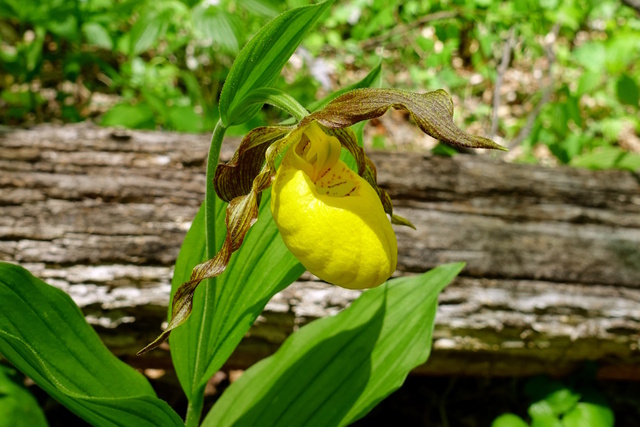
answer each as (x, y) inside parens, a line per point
(262, 58)
(334, 370)
(44, 335)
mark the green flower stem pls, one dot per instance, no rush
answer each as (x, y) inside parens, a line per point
(277, 98)
(194, 409)
(210, 193)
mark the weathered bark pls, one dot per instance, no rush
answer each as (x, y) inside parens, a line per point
(553, 255)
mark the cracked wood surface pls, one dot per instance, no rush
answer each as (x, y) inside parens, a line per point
(553, 255)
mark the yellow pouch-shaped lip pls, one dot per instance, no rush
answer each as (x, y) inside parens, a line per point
(330, 218)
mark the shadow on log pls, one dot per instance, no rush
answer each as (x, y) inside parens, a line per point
(553, 255)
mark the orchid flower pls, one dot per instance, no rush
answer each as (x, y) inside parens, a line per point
(332, 218)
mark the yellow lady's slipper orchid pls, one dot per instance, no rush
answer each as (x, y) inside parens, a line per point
(330, 218)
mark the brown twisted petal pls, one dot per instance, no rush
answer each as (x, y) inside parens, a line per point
(432, 112)
(242, 213)
(235, 178)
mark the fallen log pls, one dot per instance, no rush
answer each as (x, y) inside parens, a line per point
(553, 254)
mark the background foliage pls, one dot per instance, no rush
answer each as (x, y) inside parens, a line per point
(556, 80)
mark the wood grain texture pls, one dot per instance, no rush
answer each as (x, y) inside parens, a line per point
(553, 255)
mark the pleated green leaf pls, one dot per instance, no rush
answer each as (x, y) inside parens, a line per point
(261, 60)
(224, 308)
(44, 334)
(334, 370)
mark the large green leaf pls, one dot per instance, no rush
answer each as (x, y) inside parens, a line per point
(261, 60)
(334, 370)
(44, 334)
(224, 308)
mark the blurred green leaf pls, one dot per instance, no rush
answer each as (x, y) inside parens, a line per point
(546, 421)
(63, 24)
(610, 127)
(542, 411)
(378, 142)
(261, 60)
(589, 415)
(10, 9)
(592, 56)
(629, 161)
(154, 102)
(138, 116)
(262, 7)
(627, 90)
(549, 4)
(622, 51)
(44, 334)
(589, 81)
(97, 35)
(34, 50)
(444, 150)
(373, 344)
(215, 26)
(562, 400)
(559, 119)
(185, 119)
(509, 420)
(148, 30)
(18, 408)
(604, 158)
(608, 157)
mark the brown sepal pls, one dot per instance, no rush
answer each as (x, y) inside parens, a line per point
(432, 112)
(242, 213)
(235, 178)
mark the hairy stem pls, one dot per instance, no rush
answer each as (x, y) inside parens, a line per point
(210, 194)
(194, 410)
